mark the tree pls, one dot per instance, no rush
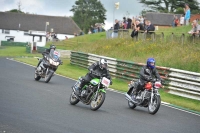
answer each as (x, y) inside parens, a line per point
(171, 6)
(87, 13)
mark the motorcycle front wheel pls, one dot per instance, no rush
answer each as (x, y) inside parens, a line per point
(48, 77)
(154, 107)
(36, 77)
(96, 103)
(73, 100)
(131, 105)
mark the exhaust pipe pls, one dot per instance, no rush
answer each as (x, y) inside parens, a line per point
(127, 98)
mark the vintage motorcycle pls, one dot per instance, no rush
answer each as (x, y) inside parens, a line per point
(94, 93)
(147, 97)
(47, 66)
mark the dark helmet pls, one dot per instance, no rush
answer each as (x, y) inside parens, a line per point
(149, 61)
(103, 63)
(53, 47)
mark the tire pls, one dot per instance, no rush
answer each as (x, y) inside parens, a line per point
(131, 105)
(36, 77)
(48, 77)
(156, 105)
(73, 100)
(95, 105)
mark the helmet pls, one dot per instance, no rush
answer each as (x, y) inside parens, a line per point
(149, 61)
(103, 63)
(52, 47)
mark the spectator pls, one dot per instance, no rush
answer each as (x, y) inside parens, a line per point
(124, 23)
(149, 27)
(129, 23)
(66, 38)
(89, 32)
(92, 29)
(75, 34)
(195, 28)
(173, 22)
(176, 21)
(133, 23)
(138, 27)
(182, 20)
(116, 28)
(187, 14)
(81, 33)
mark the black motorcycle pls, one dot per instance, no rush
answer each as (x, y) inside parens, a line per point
(147, 97)
(47, 66)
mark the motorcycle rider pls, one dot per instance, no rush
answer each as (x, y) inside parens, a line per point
(147, 73)
(100, 68)
(46, 52)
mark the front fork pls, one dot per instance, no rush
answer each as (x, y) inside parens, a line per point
(152, 94)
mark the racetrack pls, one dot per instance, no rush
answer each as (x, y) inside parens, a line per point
(29, 106)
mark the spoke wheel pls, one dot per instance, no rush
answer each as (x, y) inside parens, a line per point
(155, 105)
(96, 103)
(73, 100)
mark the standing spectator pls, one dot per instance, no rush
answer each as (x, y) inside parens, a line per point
(187, 14)
(182, 20)
(176, 21)
(133, 23)
(173, 21)
(129, 23)
(124, 23)
(66, 38)
(116, 28)
(92, 29)
(138, 27)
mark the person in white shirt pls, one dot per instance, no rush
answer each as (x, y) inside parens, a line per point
(182, 20)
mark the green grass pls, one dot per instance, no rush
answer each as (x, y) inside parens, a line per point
(173, 55)
(74, 72)
(12, 51)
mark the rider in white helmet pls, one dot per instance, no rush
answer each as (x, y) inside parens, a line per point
(100, 68)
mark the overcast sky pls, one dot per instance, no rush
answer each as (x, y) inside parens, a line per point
(62, 8)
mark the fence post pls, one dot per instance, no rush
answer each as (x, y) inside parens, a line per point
(172, 37)
(182, 38)
(162, 36)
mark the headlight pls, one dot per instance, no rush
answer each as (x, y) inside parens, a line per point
(53, 62)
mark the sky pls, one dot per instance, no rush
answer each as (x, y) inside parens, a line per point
(128, 8)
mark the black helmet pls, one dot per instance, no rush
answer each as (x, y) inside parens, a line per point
(53, 47)
(103, 63)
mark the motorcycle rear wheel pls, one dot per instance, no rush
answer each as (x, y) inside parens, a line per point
(154, 107)
(36, 77)
(73, 100)
(96, 104)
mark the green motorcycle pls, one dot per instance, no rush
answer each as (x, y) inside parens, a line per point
(93, 94)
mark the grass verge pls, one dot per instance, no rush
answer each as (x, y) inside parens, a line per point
(74, 72)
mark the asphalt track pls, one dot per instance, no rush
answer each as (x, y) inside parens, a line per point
(29, 106)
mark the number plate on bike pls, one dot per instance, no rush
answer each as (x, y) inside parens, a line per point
(105, 82)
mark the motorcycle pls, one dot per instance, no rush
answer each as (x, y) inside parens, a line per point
(94, 93)
(147, 97)
(47, 66)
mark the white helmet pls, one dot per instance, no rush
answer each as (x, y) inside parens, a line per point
(103, 63)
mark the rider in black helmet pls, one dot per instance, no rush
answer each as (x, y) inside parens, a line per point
(100, 68)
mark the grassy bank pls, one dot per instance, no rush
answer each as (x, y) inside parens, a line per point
(172, 55)
(74, 72)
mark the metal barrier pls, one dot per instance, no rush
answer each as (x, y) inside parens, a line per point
(179, 82)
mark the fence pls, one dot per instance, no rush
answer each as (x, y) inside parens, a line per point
(179, 82)
(168, 37)
(10, 43)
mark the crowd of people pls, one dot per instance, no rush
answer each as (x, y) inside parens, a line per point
(137, 24)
